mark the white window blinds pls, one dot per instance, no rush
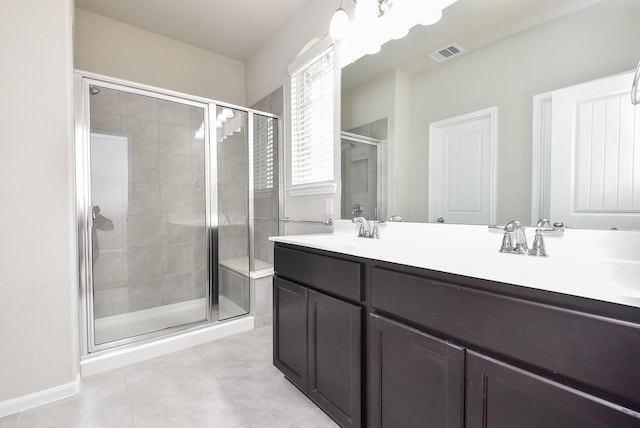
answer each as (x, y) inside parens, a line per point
(263, 152)
(312, 108)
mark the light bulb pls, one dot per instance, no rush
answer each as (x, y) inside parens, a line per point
(339, 27)
(227, 112)
(372, 47)
(367, 10)
(398, 19)
(431, 18)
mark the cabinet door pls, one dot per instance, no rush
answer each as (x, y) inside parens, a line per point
(335, 357)
(290, 331)
(500, 395)
(415, 380)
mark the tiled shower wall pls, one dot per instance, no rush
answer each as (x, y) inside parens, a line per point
(267, 215)
(266, 202)
(233, 229)
(156, 253)
(233, 201)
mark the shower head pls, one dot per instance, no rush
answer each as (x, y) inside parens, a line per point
(93, 90)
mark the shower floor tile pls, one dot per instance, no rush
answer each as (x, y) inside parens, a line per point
(227, 383)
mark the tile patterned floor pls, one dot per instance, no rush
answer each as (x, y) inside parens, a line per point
(228, 383)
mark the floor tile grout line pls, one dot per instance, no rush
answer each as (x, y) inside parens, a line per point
(18, 420)
(208, 364)
(126, 386)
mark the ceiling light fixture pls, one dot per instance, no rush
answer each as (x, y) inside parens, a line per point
(377, 21)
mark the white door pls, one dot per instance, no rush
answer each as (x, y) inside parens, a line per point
(595, 155)
(461, 168)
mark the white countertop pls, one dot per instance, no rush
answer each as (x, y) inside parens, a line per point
(601, 265)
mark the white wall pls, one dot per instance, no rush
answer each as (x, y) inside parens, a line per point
(109, 47)
(38, 316)
(266, 71)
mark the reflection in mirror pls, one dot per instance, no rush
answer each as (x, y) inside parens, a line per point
(511, 53)
(364, 171)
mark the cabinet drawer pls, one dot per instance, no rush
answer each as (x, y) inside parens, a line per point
(596, 351)
(500, 395)
(335, 276)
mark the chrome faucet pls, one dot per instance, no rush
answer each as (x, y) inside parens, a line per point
(367, 229)
(514, 239)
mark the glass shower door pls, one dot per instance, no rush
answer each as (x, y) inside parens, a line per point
(148, 203)
(233, 207)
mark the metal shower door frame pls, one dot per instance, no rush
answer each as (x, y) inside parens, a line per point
(82, 82)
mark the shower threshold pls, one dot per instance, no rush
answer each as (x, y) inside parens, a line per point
(116, 327)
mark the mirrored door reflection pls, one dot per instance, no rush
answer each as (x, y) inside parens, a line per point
(148, 204)
(233, 207)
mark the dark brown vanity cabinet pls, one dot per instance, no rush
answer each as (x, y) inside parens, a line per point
(415, 380)
(317, 337)
(442, 350)
(502, 396)
(566, 365)
(290, 347)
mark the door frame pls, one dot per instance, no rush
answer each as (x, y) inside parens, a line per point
(82, 135)
(540, 157)
(435, 170)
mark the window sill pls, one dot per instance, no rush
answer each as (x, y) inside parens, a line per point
(323, 188)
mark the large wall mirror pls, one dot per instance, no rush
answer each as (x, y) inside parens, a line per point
(480, 137)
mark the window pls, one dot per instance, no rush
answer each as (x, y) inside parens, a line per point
(312, 120)
(263, 152)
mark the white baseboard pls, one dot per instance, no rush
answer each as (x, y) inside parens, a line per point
(39, 398)
(109, 360)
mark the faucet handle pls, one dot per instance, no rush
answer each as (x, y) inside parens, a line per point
(363, 232)
(507, 245)
(542, 222)
(375, 232)
(538, 248)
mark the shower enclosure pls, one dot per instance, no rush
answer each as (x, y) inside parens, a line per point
(364, 175)
(166, 209)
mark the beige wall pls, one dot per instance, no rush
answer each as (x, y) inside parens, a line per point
(38, 316)
(111, 48)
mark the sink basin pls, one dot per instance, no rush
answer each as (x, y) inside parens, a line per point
(623, 277)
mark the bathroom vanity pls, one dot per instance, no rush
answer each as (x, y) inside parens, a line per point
(380, 343)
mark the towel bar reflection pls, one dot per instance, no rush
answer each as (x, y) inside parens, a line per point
(326, 222)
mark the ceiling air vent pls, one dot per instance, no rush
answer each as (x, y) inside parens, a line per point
(447, 52)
